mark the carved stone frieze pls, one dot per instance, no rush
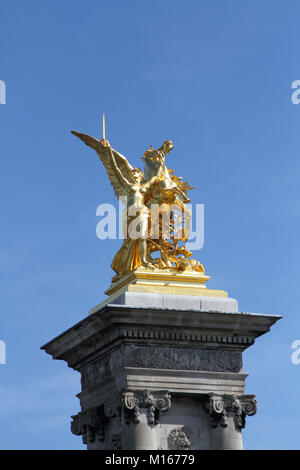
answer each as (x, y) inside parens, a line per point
(175, 358)
(94, 372)
(220, 406)
(131, 355)
(170, 337)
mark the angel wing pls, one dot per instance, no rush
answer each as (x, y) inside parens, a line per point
(121, 161)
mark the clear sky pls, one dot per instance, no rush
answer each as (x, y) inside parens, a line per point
(214, 76)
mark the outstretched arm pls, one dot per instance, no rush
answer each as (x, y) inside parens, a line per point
(117, 171)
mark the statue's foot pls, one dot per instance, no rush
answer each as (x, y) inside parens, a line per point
(148, 265)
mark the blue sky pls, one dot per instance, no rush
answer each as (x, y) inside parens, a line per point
(214, 76)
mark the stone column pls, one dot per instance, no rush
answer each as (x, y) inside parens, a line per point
(228, 413)
(126, 421)
(100, 426)
(141, 414)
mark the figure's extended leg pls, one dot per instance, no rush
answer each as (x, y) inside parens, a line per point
(144, 253)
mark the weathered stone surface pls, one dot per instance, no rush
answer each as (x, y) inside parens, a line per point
(169, 301)
(174, 358)
(169, 327)
(178, 382)
(219, 406)
(131, 355)
(180, 439)
(162, 376)
(154, 402)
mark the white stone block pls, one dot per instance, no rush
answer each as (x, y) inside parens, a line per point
(181, 302)
(177, 302)
(218, 304)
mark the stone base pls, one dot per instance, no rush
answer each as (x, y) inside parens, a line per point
(170, 301)
(162, 282)
(162, 371)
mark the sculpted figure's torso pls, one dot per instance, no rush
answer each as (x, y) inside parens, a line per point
(135, 197)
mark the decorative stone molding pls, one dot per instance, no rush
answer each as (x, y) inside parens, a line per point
(175, 358)
(162, 336)
(158, 357)
(131, 408)
(90, 424)
(179, 439)
(92, 373)
(154, 402)
(113, 406)
(219, 406)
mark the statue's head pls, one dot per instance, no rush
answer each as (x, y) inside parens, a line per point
(137, 175)
(167, 146)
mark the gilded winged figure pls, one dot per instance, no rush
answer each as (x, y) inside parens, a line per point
(157, 185)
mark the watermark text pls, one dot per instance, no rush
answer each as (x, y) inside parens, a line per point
(296, 94)
(162, 221)
(2, 352)
(295, 357)
(2, 92)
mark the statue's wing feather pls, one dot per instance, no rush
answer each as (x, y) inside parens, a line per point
(88, 139)
(121, 161)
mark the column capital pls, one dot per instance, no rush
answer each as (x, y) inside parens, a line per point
(89, 424)
(154, 402)
(240, 406)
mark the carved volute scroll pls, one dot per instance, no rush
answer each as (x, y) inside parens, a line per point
(219, 406)
(154, 402)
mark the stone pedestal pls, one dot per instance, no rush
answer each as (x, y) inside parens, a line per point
(162, 371)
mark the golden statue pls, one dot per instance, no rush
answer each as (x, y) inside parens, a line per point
(155, 204)
(133, 252)
(168, 188)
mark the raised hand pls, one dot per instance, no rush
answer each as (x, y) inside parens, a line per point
(105, 143)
